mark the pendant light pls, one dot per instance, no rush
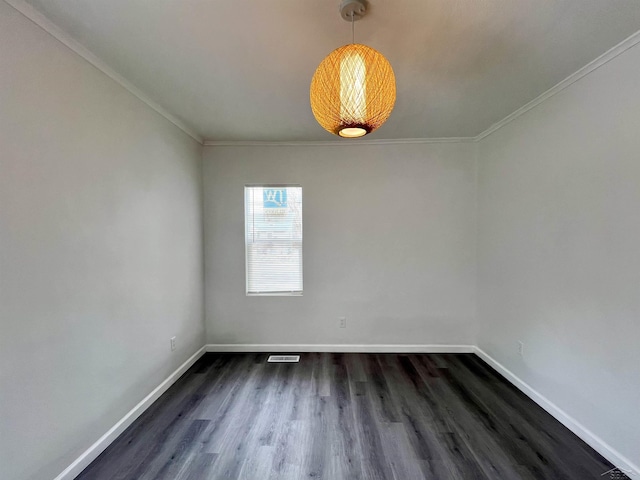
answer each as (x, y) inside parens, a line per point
(354, 89)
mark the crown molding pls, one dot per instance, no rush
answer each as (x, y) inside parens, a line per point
(609, 55)
(345, 142)
(590, 67)
(48, 26)
(56, 32)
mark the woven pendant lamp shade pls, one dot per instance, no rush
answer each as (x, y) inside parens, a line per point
(353, 91)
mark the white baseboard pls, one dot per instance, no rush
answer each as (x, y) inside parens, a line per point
(89, 455)
(338, 348)
(590, 438)
(624, 464)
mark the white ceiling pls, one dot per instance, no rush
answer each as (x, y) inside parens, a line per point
(240, 70)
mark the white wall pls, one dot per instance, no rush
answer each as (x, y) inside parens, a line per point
(100, 251)
(388, 243)
(558, 250)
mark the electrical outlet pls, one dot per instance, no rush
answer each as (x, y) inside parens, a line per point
(521, 349)
(342, 321)
(173, 343)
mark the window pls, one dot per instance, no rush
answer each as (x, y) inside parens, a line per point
(273, 239)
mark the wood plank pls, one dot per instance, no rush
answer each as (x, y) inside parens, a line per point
(345, 416)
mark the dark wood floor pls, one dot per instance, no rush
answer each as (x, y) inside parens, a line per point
(346, 416)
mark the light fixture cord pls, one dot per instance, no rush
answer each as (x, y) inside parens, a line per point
(353, 34)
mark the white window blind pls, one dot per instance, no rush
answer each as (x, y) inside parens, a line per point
(273, 239)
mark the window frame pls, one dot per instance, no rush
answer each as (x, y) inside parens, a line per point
(292, 293)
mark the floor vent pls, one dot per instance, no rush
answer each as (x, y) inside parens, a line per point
(284, 358)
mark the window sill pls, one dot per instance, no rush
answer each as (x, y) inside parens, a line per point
(275, 294)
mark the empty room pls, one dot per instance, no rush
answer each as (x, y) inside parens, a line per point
(337, 239)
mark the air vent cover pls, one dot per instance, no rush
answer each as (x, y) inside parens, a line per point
(283, 358)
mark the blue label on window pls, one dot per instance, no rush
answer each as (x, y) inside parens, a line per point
(274, 197)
